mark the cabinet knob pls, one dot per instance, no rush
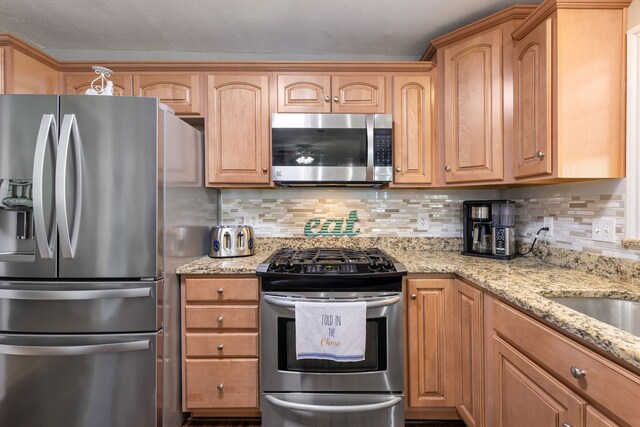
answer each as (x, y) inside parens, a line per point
(220, 319)
(577, 373)
(398, 169)
(220, 387)
(220, 347)
(414, 296)
(327, 98)
(335, 99)
(220, 291)
(540, 154)
(566, 425)
(264, 169)
(447, 168)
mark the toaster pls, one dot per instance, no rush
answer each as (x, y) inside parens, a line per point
(231, 241)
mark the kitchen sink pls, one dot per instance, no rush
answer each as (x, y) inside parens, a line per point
(623, 314)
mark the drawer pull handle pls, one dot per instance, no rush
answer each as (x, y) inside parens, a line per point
(220, 387)
(220, 347)
(220, 319)
(577, 373)
(414, 296)
(566, 425)
(220, 291)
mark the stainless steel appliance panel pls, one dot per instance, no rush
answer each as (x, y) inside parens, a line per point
(20, 122)
(280, 305)
(78, 380)
(113, 215)
(80, 307)
(321, 410)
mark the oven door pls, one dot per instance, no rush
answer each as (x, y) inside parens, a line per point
(380, 371)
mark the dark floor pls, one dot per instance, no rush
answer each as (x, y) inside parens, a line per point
(255, 422)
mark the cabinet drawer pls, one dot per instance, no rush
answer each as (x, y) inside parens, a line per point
(238, 379)
(222, 345)
(222, 317)
(219, 290)
(604, 382)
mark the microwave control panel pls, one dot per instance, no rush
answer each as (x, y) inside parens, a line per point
(382, 147)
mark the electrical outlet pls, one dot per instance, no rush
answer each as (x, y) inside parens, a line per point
(423, 222)
(604, 229)
(548, 222)
(251, 220)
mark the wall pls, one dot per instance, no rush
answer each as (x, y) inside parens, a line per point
(381, 213)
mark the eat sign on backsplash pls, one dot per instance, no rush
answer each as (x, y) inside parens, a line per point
(341, 226)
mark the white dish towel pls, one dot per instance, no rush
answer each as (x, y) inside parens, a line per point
(332, 330)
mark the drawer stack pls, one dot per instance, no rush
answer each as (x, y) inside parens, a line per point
(220, 345)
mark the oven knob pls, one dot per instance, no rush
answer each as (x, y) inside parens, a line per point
(220, 387)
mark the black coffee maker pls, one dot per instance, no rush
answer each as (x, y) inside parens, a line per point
(489, 228)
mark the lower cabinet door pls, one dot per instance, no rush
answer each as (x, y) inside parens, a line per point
(323, 409)
(526, 396)
(224, 383)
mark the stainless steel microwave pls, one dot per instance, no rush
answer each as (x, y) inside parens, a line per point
(332, 149)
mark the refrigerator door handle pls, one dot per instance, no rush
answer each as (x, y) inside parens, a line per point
(72, 295)
(68, 131)
(48, 132)
(76, 350)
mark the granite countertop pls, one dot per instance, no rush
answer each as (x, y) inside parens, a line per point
(525, 282)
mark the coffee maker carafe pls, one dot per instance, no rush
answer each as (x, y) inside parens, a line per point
(489, 228)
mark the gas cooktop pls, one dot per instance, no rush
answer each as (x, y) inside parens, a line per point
(330, 262)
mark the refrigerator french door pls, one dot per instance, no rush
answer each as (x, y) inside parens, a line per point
(80, 261)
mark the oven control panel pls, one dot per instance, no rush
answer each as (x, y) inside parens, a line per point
(330, 268)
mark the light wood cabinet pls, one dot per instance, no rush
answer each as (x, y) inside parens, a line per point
(25, 70)
(238, 130)
(603, 383)
(468, 353)
(331, 93)
(596, 419)
(430, 344)
(220, 346)
(77, 84)
(473, 135)
(180, 91)
(413, 128)
(526, 396)
(2, 72)
(569, 64)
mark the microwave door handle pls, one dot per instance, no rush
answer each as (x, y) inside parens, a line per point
(68, 131)
(291, 304)
(370, 121)
(48, 132)
(334, 408)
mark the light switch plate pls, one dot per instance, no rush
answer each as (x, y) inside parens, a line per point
(423, 222)
(604, 229)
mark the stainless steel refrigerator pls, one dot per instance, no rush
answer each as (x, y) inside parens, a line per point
(89, 326)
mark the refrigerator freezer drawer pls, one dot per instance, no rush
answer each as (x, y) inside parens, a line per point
(80, 307)
(79, 380)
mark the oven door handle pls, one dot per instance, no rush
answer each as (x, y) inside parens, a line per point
(288, 303)
(333, 408)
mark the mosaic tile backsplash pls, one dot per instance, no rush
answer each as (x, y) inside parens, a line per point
(381, 213)
(393, 213)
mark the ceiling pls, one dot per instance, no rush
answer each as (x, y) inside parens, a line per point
(239, 29)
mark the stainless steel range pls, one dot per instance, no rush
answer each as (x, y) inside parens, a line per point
(317, 392)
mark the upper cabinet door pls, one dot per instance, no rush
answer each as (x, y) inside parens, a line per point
(473, 105)
(413, 129)
(77, 84)
(179, 91)
(2, 73)
(304, 94)
(358, 94)
(532, 102)
(238, 129)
